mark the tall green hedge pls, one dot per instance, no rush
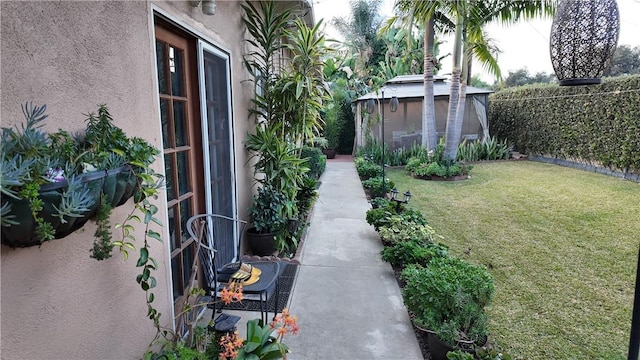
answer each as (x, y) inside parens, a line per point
(597, 124)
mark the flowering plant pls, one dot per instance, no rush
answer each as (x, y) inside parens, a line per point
(261, 342)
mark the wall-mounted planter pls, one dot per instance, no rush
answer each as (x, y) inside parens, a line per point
(119, 185)
(23, 234)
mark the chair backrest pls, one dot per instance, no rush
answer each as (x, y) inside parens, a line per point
(220, 241)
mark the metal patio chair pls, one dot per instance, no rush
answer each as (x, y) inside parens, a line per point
(220, 246)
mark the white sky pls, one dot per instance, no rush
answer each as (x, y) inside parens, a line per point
(525, 45)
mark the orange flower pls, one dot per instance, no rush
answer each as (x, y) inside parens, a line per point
(231, 294)
(230, 344)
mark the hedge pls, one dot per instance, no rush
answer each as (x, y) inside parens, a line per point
(596, 125)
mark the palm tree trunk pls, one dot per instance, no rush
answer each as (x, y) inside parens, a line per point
(462, 97)
(429, 136)
(451, 142)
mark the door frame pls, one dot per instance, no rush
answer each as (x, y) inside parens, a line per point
(203, 43)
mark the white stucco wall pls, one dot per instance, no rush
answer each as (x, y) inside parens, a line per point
(56, 302)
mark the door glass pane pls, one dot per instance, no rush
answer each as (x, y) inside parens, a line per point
(179, 120)
(185, 214)
(162, 71)
(176, 66)
(219, 133)
(183, 173)
(187, 262)
(175, 275)
(172, 227)
(170, 174)
(164, 119)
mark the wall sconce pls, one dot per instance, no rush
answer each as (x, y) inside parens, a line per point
(208, 6)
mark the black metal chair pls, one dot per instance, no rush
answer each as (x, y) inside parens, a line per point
(220, 246)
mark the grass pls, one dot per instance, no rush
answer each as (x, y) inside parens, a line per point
(561, 244)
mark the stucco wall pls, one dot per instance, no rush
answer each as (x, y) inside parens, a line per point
(56, 302)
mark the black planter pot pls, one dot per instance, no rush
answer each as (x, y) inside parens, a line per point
(23, 234)
(330, 153)
(119, 185)
(260, 244)
(439, 349)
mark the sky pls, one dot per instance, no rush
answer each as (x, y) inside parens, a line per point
(525, 45)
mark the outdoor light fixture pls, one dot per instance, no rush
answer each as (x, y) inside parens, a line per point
(393, 105)
(584, 35)
(208, 6)
(394, 197)
(369, 106)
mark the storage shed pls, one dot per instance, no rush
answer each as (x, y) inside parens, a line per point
(404, 127)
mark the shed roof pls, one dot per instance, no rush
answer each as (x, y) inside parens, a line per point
(412, 86)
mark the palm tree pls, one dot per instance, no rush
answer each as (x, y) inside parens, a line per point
(469, 18)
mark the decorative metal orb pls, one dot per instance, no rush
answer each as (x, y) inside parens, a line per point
(584, 35)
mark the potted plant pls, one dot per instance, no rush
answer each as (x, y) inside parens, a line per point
(53, 183)
(448, 298)
(269, 217)
(46, 195)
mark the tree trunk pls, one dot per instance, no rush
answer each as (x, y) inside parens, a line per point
(462, 100)
(429, 136)
(451, 142)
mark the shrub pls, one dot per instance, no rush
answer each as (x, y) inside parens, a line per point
(448, 297)
(487, 149)
(379, 217)
(366, 169)
(405, 253)
(375, 185)
(398, 229)
(316, 162)
(595, 124)
(414, 163)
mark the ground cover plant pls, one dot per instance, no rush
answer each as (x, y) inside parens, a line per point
(560, 243)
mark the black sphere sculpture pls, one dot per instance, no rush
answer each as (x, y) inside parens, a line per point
(584, 35)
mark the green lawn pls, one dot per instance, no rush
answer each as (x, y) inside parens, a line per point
(562, 245)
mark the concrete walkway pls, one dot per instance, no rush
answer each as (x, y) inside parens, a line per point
(346, 298)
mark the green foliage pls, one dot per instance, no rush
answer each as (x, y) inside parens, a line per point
(261, 344)
(400, 229)
(626, 61)
(442, 169)
(488, 149)
(522, 77)
(102, 245)
(590, 124)
(316, 161)
(397, 157)
(491, 354)
(270, 210)
(449, 296)
(367, 169)
(408, 252)
(379, 217)
(377, 186)
(459, 355)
